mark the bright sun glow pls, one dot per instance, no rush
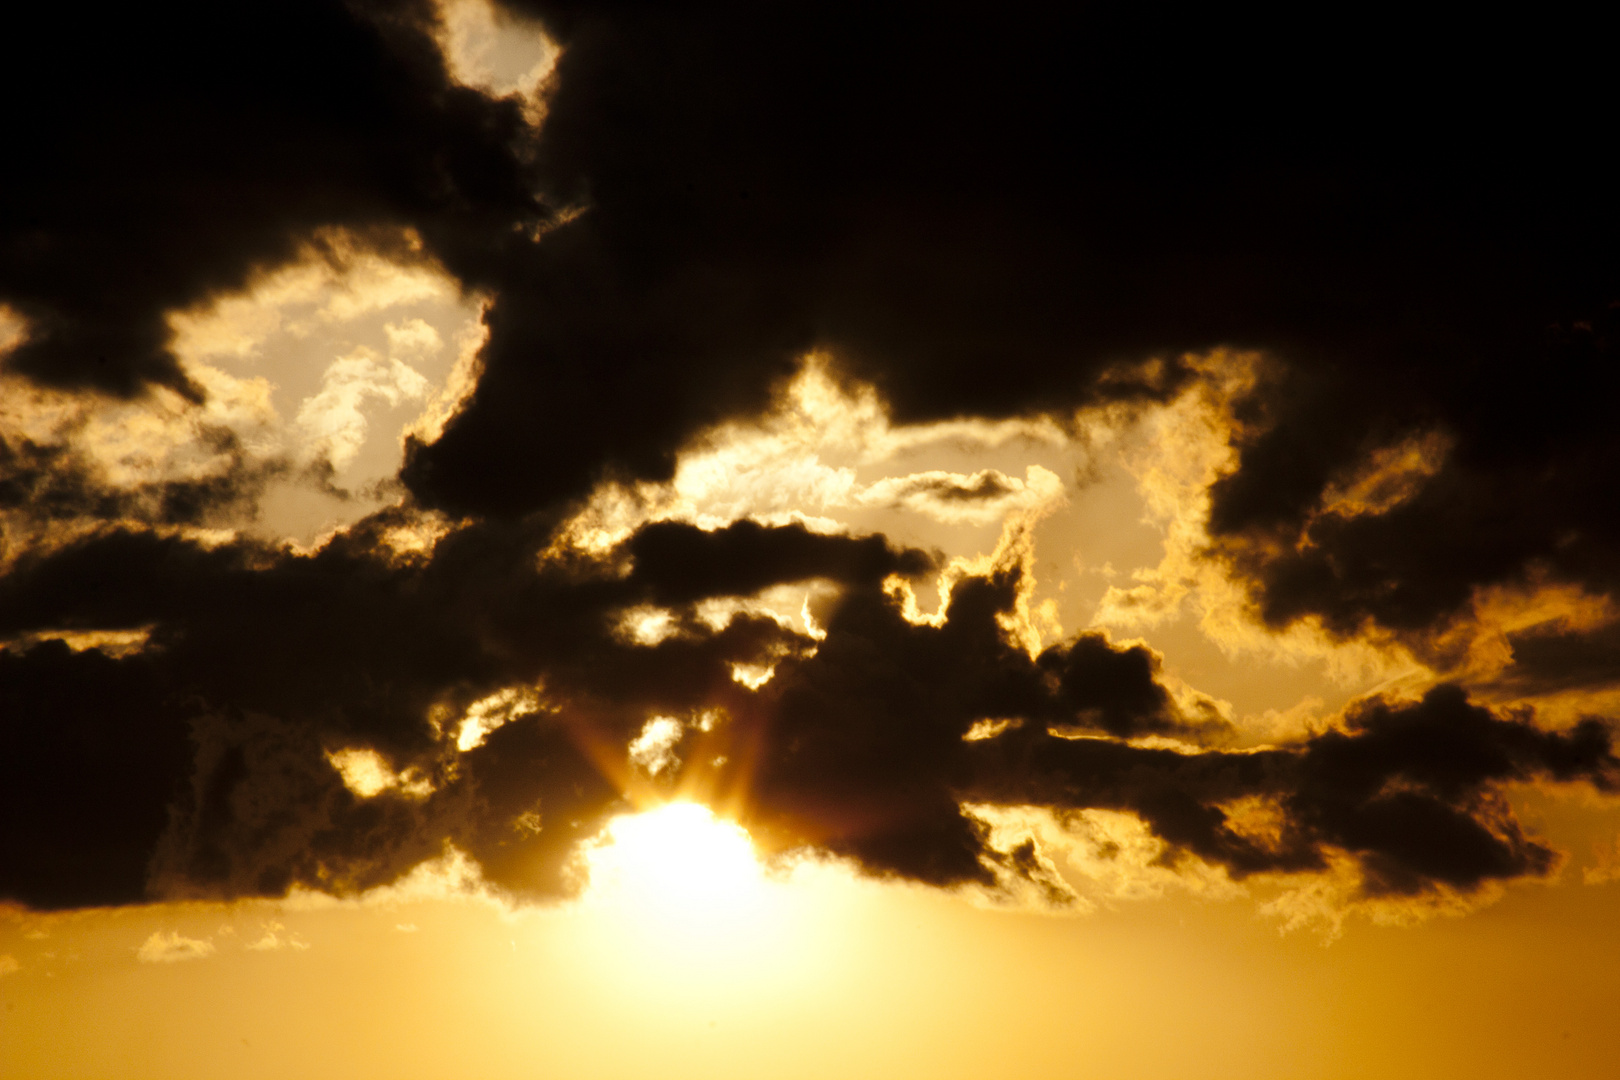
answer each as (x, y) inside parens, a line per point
(684, 902)
(678, 863)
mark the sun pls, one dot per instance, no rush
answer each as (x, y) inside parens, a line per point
(680, 916)
(679, 868)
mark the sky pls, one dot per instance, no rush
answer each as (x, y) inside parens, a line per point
(724, 539)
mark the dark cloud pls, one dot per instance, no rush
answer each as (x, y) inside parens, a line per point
(94, 754)
(211, 746)
(981, 214)
(681, 564)
(1548, 659)
(1409, 790)
(867, 759)
(986, 214)
(271, 660)
(987, 485)
(1522, 497)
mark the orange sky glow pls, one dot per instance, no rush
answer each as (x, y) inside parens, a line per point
(551, 539)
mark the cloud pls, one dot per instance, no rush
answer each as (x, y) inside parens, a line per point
(1503, 490)
(487, 47)
(169, 947)
(801, 461)
(94, 755)
(333, 422)
(653, 751)
(70, 464)
(735, 271)
(986, 496)
(366, 773)
(273, 941)
(304, 338)
(870, 755)
(869, 740)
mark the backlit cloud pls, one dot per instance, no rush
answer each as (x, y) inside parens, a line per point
(463, 423)
(171, 947)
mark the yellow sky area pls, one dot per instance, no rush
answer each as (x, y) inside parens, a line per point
(808, 973)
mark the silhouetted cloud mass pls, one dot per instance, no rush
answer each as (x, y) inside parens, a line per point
(982, 214)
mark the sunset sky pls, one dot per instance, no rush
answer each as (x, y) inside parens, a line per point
(807, 539)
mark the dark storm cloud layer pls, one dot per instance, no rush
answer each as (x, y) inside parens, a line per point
(198, 767)
(983, 214)
(1407, 789)
(868, 759)
(274, 659)
(979, 214)
(1526, 492)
